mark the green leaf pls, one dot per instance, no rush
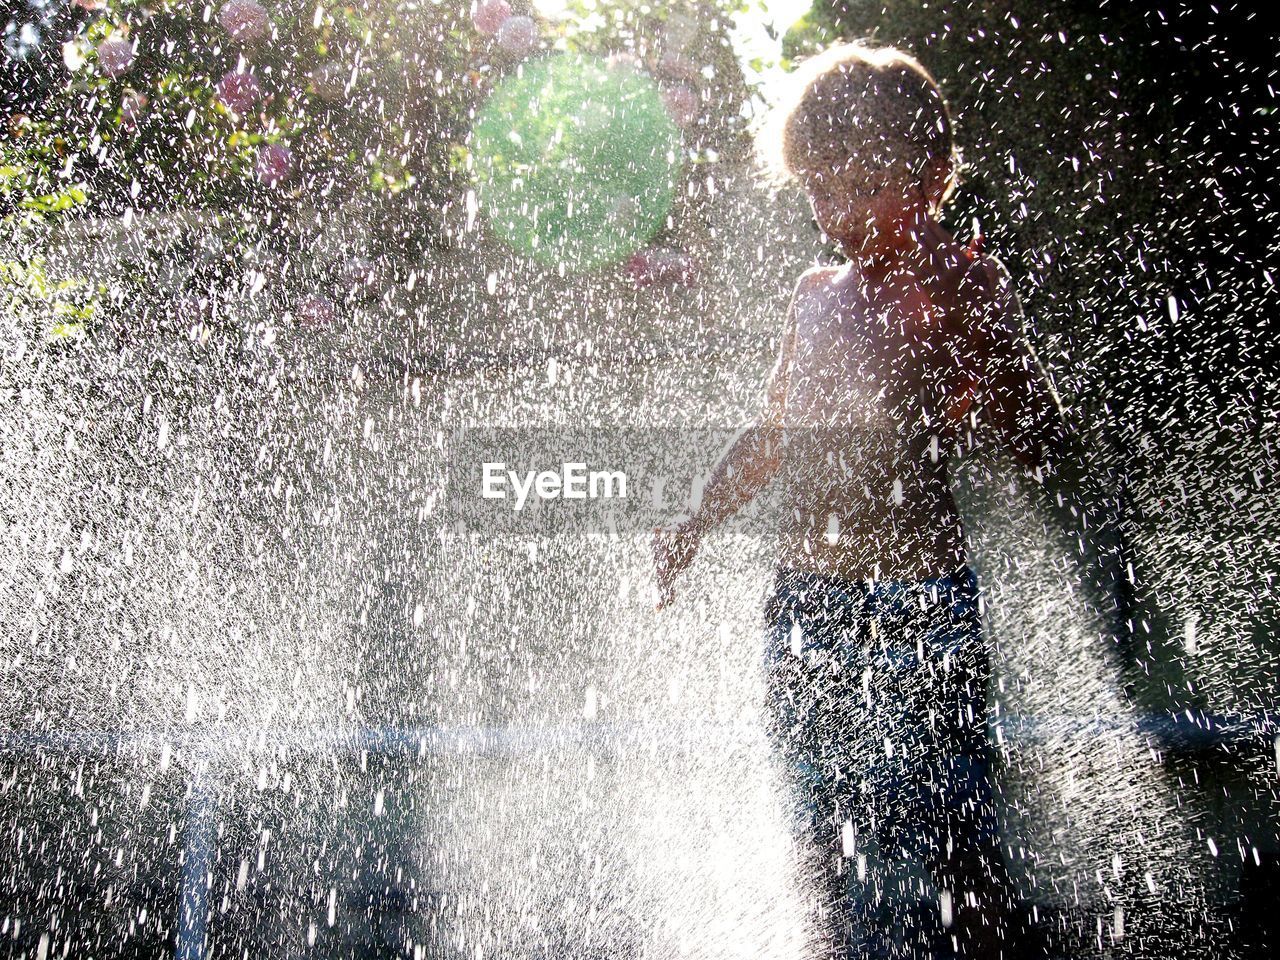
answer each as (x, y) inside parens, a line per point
(66, 331)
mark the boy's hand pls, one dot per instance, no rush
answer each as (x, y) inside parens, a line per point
(674, 548)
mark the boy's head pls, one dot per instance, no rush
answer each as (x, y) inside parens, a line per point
(866, 132)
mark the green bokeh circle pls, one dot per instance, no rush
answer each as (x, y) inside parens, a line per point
(575, 161)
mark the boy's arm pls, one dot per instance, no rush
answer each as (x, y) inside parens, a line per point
(1081, 499)
(743, 470)
(1020, 401)
(752, 457)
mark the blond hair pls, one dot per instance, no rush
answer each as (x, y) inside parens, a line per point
(873, 113)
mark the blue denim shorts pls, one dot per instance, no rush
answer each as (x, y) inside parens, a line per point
(876, 706)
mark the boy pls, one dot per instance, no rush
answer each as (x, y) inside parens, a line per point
(874, 658)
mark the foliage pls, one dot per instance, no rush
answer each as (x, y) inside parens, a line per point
(679, 42)
(34, 305)
(359, 109)
(809, 35)
(369, 96)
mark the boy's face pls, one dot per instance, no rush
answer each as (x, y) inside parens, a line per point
(858, 208)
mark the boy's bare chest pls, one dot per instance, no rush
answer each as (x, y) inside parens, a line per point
(864, 339)
(869, 356)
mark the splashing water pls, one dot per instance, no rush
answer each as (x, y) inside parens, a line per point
(268, 691)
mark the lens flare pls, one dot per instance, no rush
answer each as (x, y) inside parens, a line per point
(576, 163)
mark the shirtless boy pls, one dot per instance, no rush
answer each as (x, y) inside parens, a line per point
(874, 656)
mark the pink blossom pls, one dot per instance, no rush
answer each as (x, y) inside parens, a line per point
(664, 266)
(115, 56)
(132, 107)
(275, 164)
(244, 20)
(314, 311)
(330, 81)
(681, 103)
(238, 92)
(678, 67)
(517, 36)
(487, 15)
(624, 61)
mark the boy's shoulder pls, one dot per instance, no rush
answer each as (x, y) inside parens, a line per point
(974, 286)
(817, 275)
(814, 281)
